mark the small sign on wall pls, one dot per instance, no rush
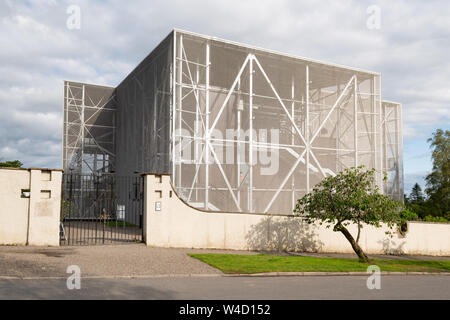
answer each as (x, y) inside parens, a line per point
(158, 206)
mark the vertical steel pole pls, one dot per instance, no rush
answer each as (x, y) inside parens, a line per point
(71, 205)
(82, 145)
(207, 126)
(384, 161)
(397, 149)
(376, 113)
(400, 152)
(66, 113)
(397, 154)
(292, 137)
(83, 95)
(307, 133)
(238, 146)
(173, 91)
(356, 121)
(180, 106)
(196, 133)
(250, 187)
(338, 132)
(154, 115)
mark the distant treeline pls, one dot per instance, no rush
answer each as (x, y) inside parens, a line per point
(433, 205)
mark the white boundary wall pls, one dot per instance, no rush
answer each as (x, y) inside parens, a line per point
(177, 225)
(32, 220)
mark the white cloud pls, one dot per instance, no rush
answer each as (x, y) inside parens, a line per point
(38, 52)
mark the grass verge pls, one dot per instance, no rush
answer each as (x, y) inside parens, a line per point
(262, 263)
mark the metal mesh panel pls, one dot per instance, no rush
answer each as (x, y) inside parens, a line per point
(240, 129)
(393, 149)
(255, 130)
(143, 115)
(89, 128)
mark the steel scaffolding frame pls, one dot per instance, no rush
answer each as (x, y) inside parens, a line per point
(180, 100)
(89, 128)
(185, 80)
(393, 149)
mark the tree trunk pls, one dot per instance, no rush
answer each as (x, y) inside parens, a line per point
(361, 255)
(359, 232)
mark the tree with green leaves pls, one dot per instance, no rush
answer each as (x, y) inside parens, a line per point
(438, 181)
(350, 197)
(416, 195)
(11, 164)
(417, 202)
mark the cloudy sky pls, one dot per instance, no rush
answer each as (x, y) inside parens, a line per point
(411, 49)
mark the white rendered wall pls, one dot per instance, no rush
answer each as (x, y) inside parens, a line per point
(34, 220)
(178, 225)
(13, 208)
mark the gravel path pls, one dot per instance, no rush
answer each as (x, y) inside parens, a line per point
(119, 260)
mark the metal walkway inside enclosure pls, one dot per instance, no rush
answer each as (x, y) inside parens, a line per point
(101, 209)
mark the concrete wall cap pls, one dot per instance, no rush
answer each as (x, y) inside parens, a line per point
(155, 174)
(29, 169)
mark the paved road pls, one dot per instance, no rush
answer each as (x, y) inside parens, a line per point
(239, 288)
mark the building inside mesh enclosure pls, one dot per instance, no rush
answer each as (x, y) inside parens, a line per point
(239, 128)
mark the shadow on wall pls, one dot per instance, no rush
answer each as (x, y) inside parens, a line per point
(391, 247)
(283, 235)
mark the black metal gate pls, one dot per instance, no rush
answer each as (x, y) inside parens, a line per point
(101, 209)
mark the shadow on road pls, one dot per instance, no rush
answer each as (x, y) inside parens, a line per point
(91, 289)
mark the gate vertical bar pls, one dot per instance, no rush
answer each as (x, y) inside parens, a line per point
(71, 205)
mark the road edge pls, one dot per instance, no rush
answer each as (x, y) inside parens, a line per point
(218, 275)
